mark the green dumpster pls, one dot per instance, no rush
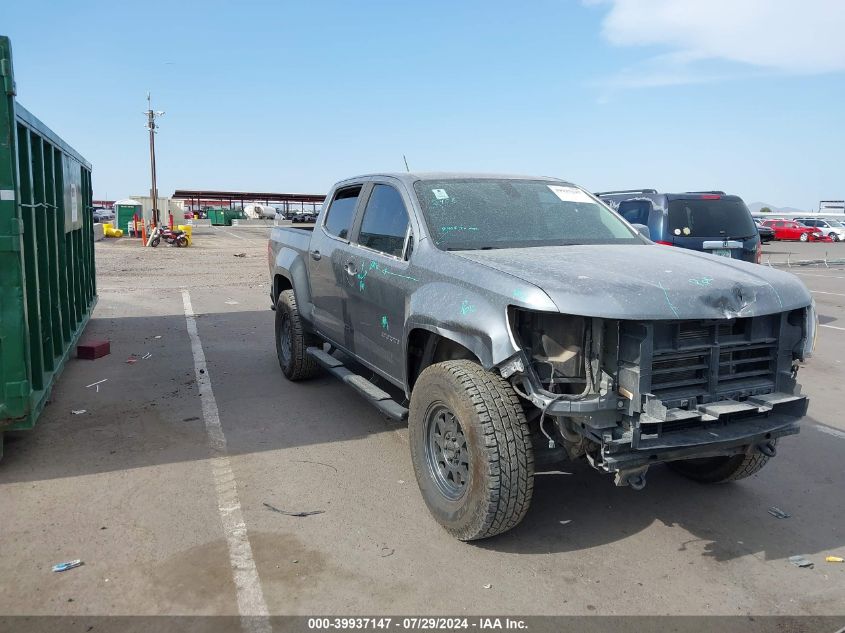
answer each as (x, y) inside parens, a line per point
(224, 216)
(47, 285)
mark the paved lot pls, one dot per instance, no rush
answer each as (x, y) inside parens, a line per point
(132, 487)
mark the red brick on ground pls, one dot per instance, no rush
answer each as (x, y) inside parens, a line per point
(91, 350)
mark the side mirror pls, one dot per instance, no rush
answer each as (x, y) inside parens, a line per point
(643, 229)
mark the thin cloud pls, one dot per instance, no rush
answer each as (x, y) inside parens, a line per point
(716, 40)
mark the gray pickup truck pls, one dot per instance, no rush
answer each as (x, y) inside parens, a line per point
(516, 322)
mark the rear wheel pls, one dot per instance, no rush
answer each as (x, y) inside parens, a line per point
(833, 236)
(471, 449)
(719, 470)
(292, 340)
(156, 241)
(181, 241)
(804, 237)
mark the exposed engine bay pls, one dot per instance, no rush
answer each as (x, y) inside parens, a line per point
(628, 394)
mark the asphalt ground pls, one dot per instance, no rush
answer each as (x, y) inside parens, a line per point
(169, 522)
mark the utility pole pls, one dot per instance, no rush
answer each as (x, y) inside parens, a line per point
(151, 126)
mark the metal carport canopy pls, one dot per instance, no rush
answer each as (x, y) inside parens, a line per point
(246, 196)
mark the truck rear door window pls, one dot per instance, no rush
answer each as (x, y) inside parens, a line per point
(342, 210)
(385, 222)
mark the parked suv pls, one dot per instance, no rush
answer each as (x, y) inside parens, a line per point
(834, 229)
(707, 221)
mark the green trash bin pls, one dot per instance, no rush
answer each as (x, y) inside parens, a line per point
(47, 282)
(224, 216)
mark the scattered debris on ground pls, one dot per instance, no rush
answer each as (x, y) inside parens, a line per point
(488, 586)
(239, 255)
(304, 513)
(308, 461)
(778, 513)
(834, 559)
(800, 561)
(96, 384)
(78, 411)
(68, 565)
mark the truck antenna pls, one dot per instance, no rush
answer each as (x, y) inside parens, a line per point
(406, 163)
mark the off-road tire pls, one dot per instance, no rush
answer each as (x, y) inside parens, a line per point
(296, 365)
(500, 480)
(720, 470)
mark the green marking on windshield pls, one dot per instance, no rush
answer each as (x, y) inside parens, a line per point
(467, 307)
(520, 294)
(384, 325)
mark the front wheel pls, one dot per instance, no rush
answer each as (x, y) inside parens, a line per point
(292, 340)
(471, 449)
(720, 470)
(833, 236)
(156, 241)
(804, 237)
(181, 241)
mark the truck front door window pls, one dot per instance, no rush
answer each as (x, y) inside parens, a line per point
(385, 222)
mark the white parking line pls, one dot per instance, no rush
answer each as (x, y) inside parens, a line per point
(240, 237)
(832, 327)
(822, 276)
(251, 604)
(819, 292)
(829, 431)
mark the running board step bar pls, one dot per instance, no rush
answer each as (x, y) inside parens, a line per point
(377, 396)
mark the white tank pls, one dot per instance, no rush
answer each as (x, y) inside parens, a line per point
(259, 211)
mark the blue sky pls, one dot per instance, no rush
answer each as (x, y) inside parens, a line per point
(292, 96)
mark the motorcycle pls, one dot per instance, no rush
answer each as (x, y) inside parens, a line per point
(174, 237)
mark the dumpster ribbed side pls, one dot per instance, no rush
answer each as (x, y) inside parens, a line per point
(47, 278)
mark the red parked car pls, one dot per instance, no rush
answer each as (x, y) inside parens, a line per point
(791, 230)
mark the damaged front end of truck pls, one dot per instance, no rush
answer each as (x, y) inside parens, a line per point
(627, 394)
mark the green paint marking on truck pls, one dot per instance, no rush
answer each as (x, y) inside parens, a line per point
(703, 281)
(385, 271)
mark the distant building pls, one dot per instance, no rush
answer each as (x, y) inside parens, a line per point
(832, 206)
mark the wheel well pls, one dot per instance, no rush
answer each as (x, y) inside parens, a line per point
(280, 284)
(427, 348)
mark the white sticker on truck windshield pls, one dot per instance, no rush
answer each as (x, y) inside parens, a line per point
(440, 194)
(569, 194)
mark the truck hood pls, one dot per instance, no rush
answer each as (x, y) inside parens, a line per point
(647, 281)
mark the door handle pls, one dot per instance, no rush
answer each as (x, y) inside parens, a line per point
(350, 268)
(315, 255)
